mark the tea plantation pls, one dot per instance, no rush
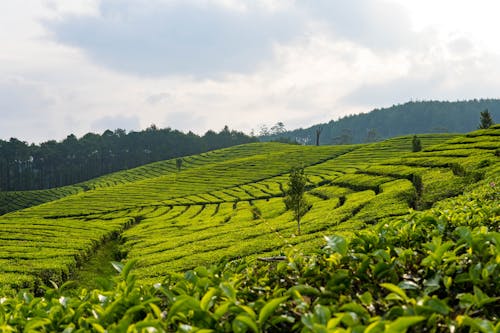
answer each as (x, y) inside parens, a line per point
(372, 256)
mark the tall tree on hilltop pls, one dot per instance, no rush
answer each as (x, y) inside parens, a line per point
(486, 121)
(294, 195)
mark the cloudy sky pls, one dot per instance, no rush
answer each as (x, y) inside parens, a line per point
(87, 65)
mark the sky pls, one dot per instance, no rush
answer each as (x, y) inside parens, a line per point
(84, 66)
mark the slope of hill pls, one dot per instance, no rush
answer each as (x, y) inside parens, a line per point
(227, 203)
(15, 200)
(402, 119)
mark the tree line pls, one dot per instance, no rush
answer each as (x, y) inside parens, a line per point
(403, 119)
(51, 164)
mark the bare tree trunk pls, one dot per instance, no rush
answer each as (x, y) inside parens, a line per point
(298, 224)
(318, 133)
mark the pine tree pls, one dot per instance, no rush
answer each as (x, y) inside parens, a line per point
(486, 121)
(294, 198)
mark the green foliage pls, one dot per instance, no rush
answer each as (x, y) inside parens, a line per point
(381, 270)
(416, 144)
(294, 195)
(485, 120)
(427, 271)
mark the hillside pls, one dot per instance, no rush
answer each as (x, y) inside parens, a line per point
(227, 203)
(402, 119)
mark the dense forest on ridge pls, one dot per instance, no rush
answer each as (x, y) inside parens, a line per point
(402, 119)
(72, 160)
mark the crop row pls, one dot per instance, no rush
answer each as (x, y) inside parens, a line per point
(39, 250)
(178, 240)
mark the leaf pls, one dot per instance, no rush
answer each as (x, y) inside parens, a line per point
(336, 243)
(269, 308)
(395, 289)
(36, 323)
(98, 328)
(332, 323)
(156, 310)
(438, 306)
(375, 327)
(366, 298)
(222, 309)
(228, 290)
(322, 314)
(356, 308)
(478, 324)
(401, 324)
(247, 321)
(128, 267)
(206, 300)
(118, 266)
(349, 318)
(182, 303)
(408, 285)
(248, 310)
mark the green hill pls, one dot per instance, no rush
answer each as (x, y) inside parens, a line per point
(403, 119)
(193, 236)
(228, 203)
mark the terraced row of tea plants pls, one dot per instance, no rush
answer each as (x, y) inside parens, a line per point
(15, 200)
(225, 203)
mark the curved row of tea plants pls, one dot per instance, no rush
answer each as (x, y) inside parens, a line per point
(266, 162)
(35, 251)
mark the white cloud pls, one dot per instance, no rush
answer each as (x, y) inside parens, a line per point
(157, 38)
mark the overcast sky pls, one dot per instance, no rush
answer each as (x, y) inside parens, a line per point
(87, 65)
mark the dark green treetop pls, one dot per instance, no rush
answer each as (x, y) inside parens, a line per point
(486, 120)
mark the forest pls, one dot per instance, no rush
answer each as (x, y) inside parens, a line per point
(403, 119)
(52, 164)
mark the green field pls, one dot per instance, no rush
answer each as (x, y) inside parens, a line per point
(228, 204)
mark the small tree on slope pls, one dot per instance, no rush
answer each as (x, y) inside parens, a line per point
(294, 195)
(416, 144)
(486, 121)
